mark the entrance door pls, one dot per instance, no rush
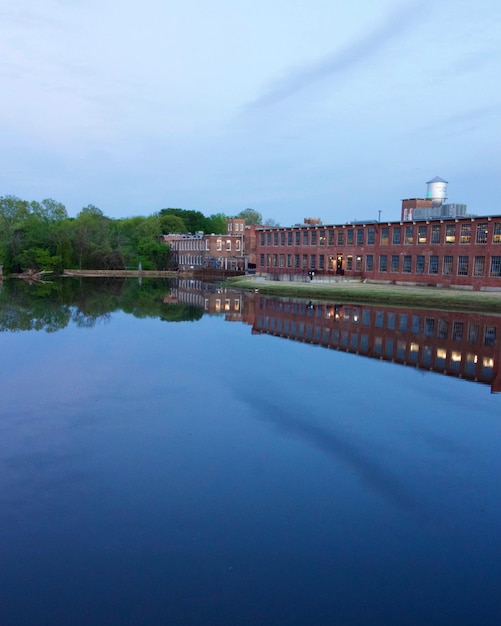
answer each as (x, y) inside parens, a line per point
(339, 264)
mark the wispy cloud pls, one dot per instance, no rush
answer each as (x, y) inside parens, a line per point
(393, 26)
(465, 121)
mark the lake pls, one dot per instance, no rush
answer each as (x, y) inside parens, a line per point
(178, 453)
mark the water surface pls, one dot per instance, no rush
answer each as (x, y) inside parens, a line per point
(211, 472)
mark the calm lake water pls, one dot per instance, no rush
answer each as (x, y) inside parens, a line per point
(169, 455)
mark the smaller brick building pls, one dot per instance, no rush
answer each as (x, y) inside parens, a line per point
(215, 251)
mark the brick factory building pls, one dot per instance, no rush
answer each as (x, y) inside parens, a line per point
(432, 244)
(456, 252)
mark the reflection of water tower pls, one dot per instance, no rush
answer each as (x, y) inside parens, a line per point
(437, 191)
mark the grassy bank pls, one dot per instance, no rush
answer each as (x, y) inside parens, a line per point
(423, 297)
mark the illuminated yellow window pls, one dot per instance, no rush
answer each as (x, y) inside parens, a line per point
(456, 356)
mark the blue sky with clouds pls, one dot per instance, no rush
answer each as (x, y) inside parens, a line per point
(323, 108)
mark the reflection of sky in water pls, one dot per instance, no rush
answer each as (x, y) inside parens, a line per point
(203, 472)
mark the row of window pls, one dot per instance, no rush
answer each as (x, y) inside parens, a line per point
(227, 244)
(433, 264)
(189, 244)
(189, 259)
(396, 235)
(412, 352)
(424, 325)
(239, 227)
(203, 244)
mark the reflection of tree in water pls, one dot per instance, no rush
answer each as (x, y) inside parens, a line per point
(85, 302)
(88, 321)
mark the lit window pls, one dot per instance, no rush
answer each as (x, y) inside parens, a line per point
(465, 236)
(450, 233)
(409, 234)
(422, 233)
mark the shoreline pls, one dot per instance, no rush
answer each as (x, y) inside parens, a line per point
(372, 293)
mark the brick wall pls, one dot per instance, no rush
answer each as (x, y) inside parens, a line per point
(461, 252)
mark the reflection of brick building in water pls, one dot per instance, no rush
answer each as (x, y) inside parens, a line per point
(462, 344)
(466, 345)
(210, 297)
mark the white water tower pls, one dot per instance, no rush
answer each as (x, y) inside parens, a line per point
(437, 191)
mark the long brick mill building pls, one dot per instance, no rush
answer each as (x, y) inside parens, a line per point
(432, 244)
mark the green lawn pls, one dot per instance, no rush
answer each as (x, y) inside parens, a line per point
(424, 297)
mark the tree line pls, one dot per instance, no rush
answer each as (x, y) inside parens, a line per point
(41, 236)
(54, 305)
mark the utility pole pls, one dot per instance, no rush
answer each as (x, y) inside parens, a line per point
(379, 215)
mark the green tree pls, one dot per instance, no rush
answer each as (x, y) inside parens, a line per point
(132, 235)
(216, 224)
(172, 224)
(154, 255)
(62, 241)
(49, 210)
(14, 214)
(194, 220)
(91, 238)
(251, 216)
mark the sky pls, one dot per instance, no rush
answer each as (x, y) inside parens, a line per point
(327, 109)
